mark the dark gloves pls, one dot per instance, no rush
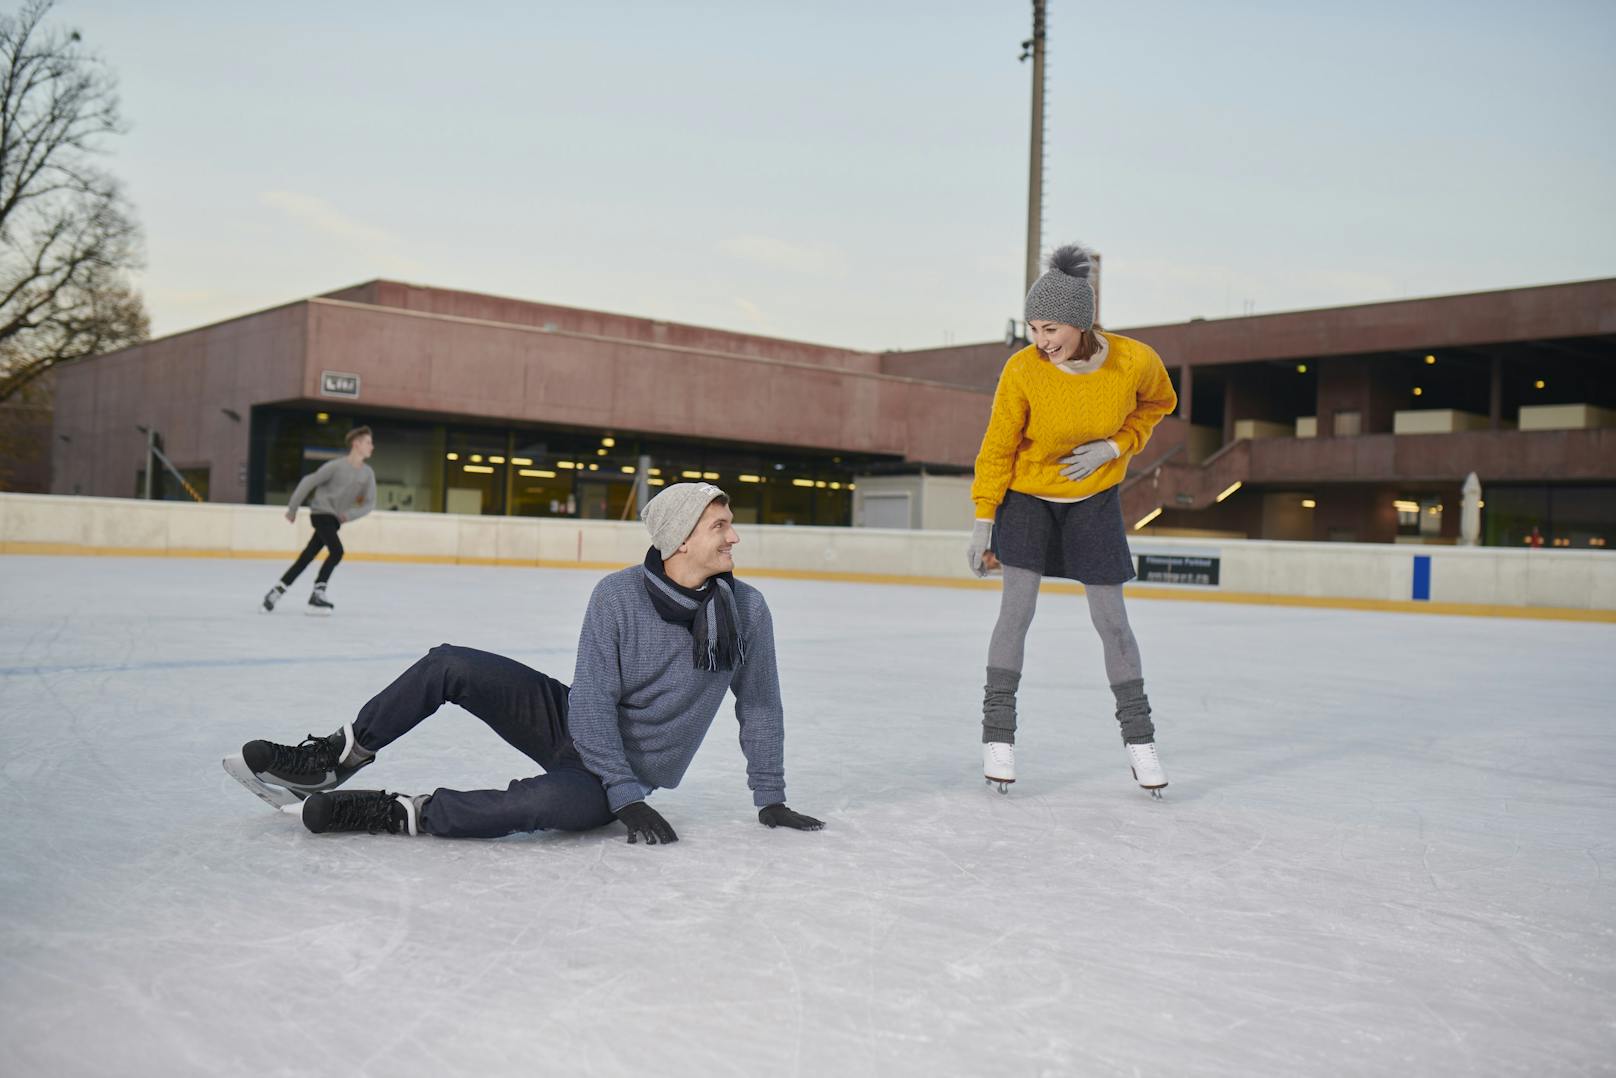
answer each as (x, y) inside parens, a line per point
(780, 816)
(645, 822)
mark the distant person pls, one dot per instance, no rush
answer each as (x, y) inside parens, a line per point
(661, 645)
(1070, 411)
(339, 492)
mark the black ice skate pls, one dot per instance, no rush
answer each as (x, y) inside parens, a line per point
(370, 811)
(272, 596)
(319, 763)
(318, 603)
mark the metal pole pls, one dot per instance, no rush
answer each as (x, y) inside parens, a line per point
(1035, 165)
(151, 460)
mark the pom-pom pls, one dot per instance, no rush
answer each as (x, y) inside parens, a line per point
(1071, 260)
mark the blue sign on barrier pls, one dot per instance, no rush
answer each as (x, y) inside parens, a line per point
(1422, 576)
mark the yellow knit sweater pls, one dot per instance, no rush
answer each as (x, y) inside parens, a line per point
(1041, 413)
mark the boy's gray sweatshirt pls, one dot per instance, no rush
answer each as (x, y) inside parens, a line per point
(639, 708)
(339, 489)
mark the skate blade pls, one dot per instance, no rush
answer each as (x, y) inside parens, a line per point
(237, 768)
(1002, 784)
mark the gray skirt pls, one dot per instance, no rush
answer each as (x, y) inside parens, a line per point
(1082, 541)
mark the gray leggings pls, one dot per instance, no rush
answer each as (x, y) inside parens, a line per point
(1123, 668)
(1020, 601)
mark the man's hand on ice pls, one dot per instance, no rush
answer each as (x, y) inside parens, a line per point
(645, 822)
(780, 816)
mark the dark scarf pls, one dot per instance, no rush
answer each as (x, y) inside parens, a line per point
(710, 614)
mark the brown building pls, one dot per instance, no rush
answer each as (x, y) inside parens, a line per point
(1355, 423)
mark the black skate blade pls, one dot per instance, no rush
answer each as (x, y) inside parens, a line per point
(274, 796)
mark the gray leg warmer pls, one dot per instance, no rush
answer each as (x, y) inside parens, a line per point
(1017, 604)
(1133, 712)
(1110, 619)
(999, 705)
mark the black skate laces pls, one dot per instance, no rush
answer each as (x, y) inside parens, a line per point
(314, 754)
(370, 812)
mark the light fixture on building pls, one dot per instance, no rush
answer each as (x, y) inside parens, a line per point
(628, 469)
(496, 460)
(480, 469)
(1309, 503)
(820, 484)
(1418, 391)
(1429, 360)
(836, 486)
(1403, 505)
(600, 452)
(608, 442)
(1598, 540)
(536, 473)
(476, 458)
(451, 456)
(750, 478)
(656, 482)
(709, 475)
(1538, 384)
(690, 475)
(802, 482)
(1228, 490)
(1301, 368)
(1148, 517)
(322, 417)
(522, 462)
(655, 471)
(850, 486)
(566, 464)
(594, 467)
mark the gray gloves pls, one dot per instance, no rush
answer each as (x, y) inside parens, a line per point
(981, 538)
(1087, 457)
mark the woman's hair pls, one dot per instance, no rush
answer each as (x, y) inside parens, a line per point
(356, 434)
(1088, 345)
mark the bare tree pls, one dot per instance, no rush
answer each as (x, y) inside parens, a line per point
(67, 236)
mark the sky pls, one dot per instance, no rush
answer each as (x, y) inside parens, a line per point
(855, 174)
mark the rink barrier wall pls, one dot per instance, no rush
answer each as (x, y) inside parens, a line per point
(1489, 581)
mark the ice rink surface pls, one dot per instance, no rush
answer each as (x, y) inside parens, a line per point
(1387, 848)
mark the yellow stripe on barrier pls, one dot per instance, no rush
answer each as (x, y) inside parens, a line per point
(1137, 591)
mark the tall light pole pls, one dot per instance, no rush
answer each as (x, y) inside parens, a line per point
(1033, 48)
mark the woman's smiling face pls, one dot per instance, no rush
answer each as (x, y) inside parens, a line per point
(1056, 340)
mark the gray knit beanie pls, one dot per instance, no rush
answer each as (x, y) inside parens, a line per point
(1065, 293)
(674, 513)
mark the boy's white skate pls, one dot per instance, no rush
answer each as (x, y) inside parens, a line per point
(999, 764)
(1147, 768)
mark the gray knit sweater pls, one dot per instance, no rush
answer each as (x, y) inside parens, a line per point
(639, 708)
(339, 489)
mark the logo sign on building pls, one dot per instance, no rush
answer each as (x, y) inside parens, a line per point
(1178, 569)
(339, 384)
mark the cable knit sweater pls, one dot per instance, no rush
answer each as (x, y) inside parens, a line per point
(1040, 414)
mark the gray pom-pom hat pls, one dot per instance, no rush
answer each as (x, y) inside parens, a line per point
(1065, 292)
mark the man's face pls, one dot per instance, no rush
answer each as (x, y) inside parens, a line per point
(1056, 340)
(364, 446)
(709, 545)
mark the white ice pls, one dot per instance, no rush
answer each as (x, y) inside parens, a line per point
(1387, 847)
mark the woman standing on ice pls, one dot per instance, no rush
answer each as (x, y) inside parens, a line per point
(1070, 410)
(339, 492)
